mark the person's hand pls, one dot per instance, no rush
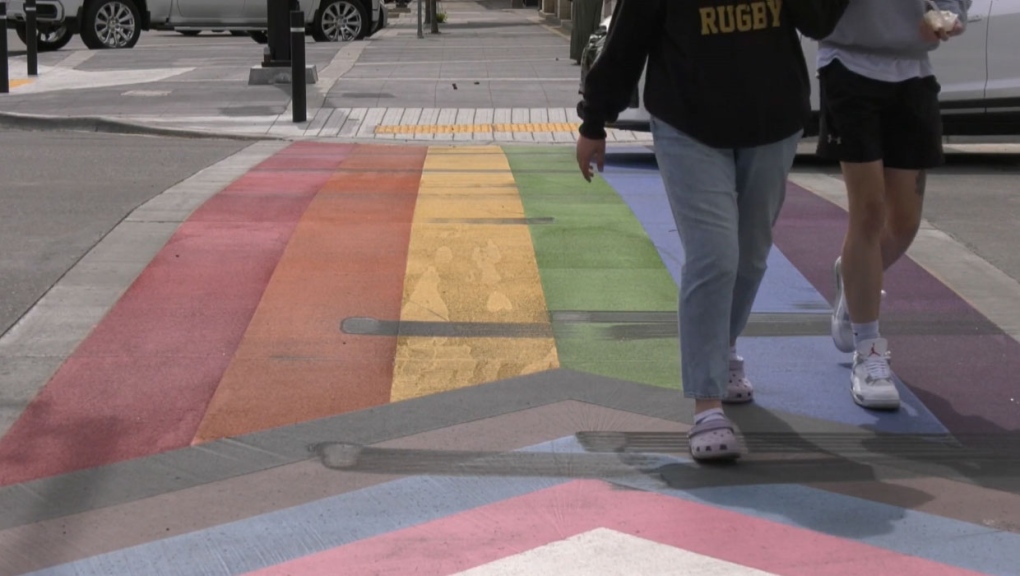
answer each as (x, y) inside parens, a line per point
(589, 151)
(957, 29)
(932, 35)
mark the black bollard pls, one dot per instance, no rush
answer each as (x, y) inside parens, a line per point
(5, 79)
(31, 38)
(297, 65)
(278, 33)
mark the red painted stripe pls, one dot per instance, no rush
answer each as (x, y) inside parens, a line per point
(140, 382)
(346, 258)
(514, 526)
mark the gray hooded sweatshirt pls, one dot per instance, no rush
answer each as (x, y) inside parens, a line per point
(881, 39)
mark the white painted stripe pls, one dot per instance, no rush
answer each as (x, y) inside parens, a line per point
(610, 553)
(989, 290)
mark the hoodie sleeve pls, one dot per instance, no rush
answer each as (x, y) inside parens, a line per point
(614, 75)
(816, 19)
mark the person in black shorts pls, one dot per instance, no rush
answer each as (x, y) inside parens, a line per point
(880, 119)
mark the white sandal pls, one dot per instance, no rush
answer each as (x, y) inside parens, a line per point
(713, 440)
(739, 389)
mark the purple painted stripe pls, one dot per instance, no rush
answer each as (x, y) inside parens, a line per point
(968, 381)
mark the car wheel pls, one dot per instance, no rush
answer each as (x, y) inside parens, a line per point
(260, 36)
(384, 19)
(189, 32)
(111, 24)
(46, 40)
(341, 21)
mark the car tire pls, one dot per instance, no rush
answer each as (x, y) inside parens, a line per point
(341, 21)
(384, 19)
(111, 24)
(189, 32)
(46, 41)
(260, 36)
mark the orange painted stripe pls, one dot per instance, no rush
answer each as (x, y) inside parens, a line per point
(347, 257)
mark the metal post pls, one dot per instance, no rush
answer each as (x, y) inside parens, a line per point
(421, 33)
(31, 38)
(278, 13)
(297, 65)
(5, 80)
(435, 17)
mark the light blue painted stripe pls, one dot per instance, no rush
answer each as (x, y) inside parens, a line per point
(784, 289)
(277, 537)
(944, 540)
(807, 375)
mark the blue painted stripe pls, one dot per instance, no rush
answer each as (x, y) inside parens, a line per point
(278, 537)
(809, 376)
(805, 376)
(784, 289)
(944, 540)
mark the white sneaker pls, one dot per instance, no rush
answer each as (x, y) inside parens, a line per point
(871, 379)
(842, 331)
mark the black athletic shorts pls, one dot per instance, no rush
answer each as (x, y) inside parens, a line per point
(864, 120)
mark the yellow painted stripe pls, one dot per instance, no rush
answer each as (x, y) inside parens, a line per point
(20, 82)
(467, 272)
(470, 128)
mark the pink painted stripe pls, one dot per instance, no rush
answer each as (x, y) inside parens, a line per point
(514, 526)
(141, 381)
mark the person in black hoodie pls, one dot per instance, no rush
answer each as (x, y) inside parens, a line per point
(728, 91)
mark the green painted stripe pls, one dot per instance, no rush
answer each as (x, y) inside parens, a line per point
(594, 255)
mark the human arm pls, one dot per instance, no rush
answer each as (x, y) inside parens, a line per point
(614, 75)
(816, 19)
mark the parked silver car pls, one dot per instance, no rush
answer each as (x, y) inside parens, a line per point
(979, 73)
(119, 23)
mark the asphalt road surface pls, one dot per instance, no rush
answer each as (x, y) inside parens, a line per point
(60, 193)
(148, 40)
(975, 198)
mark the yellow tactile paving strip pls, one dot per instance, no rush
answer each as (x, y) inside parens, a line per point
(472, 128)
(469, 271)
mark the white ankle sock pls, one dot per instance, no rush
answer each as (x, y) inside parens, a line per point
(733, 353)
(865, 331)
(709, 415)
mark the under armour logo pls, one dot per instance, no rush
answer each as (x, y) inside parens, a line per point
(838, 140)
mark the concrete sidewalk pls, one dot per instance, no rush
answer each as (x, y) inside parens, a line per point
(491, 75)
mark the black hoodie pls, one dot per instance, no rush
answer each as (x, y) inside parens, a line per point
(729, 73)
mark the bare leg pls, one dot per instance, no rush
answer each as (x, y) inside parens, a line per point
(862, 260)
(702, 405)
(904, 199)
